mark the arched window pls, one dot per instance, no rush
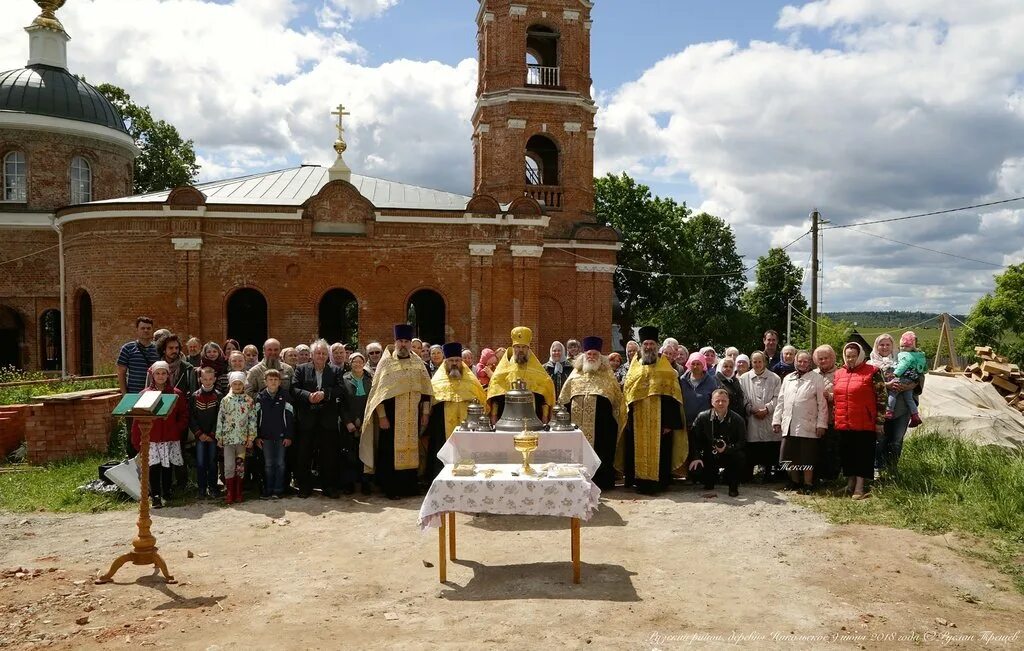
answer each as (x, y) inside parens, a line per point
(541, 161)
(339, 317)
(81, 180)
(426, 313)
(49, 340)
(542, 68)
(12, 336)
(85, 334)
(247, 317)
(15, 177)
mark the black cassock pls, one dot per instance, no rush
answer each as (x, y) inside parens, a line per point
(672, 419)
(606, 434)
(394, 483)
(435, 441)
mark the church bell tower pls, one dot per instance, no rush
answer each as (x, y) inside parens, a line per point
(534, 121)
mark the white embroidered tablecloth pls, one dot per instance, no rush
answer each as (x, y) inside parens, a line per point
(503, 493)
(497, 447)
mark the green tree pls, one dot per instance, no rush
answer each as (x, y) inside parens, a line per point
(998, 318)
(776, 281)
(653, 245)
(704, 300)
(167, 160)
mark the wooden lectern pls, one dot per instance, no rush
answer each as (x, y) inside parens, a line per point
(144, 544)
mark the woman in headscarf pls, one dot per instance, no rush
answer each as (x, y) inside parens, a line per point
(890, 444)
(761, 391)
(697, 386)
(801, 417)
(213, 357)
(860, 398)
(742, 365)
(710, 359)
(883, 356)
(828, 449)
(164, 436)
(728, 380)
(557, 367)
(485, 369)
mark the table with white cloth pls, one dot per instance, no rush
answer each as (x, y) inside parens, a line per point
(495, 489)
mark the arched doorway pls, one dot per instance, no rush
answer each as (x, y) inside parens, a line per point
(85, 334)
(247, 317)
(49, 340)
(426, 314)
(12, 336)
(339, 317)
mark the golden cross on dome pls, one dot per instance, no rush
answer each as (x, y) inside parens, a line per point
(341, 113)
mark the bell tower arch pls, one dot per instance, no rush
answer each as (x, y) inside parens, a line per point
(533, 128)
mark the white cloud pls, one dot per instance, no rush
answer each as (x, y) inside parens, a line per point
(254, 90)
(915, 107)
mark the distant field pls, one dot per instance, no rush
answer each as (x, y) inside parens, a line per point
(927, 338)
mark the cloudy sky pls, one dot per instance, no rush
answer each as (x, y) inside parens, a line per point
(754, 110)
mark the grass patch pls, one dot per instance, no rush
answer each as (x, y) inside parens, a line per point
(28, 393)
(947, 484)
(53, 487)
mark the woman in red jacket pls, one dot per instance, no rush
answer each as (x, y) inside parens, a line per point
(860, 399)
(164, 437)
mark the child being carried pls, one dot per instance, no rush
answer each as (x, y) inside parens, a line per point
(910, 366)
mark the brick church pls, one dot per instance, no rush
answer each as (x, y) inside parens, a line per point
(308, 251)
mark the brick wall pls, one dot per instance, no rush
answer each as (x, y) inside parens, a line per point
(12, 427)
(58, 430)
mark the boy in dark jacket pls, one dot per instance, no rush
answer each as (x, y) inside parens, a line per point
(720, 435)
(203, 405)
(275, 427)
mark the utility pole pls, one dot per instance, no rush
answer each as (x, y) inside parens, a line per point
(789, 321)
(815, 264)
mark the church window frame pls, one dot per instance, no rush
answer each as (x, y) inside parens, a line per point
(80, 172)
(15, 177)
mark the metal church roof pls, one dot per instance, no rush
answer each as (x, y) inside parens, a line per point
(292, 187)
(45, 90)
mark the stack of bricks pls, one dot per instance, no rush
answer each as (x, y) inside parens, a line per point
(1000, 373)
(58, 428)
(12, 427)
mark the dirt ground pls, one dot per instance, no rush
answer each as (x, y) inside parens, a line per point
(676, 571)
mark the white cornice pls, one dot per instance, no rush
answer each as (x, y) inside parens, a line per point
(32, 122)
(468, 218)
(26, 220)
(482, 249)
(527, 251)
(201, 212)
(573, 244)
(534, 97)
(187, 243)
(586, 267)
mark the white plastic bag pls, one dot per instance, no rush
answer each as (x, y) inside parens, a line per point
(126, 476)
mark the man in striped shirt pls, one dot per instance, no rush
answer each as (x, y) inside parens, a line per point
(133, 363)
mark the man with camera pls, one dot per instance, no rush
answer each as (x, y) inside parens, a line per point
(720, 435)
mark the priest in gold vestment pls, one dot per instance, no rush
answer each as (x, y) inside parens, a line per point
(519, 363)
(455, 387)
(595, 401)
(655, 440)
(397, 411)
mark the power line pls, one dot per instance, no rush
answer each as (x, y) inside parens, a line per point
(925, 248)
(926, 214)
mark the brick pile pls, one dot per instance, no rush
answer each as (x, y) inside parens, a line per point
(1000, 373)
(58, 427)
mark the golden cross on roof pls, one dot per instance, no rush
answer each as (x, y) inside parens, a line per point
(341, 113)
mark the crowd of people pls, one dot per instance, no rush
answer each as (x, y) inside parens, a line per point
(328, 416)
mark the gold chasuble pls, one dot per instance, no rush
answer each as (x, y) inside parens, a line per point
(456, 396)
(533, 373)
(405, 380)
(643, 388)
(582, 390)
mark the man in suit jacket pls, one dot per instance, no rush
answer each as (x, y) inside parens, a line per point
(319, 398)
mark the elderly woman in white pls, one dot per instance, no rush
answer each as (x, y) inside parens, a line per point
(761, 390)
(801, 416)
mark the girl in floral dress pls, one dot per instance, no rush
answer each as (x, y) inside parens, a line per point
(236, 430)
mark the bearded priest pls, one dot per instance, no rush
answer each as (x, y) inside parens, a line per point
(397, 411)
(595, 401)
(455, 387)
(519, 363)
(655, 439)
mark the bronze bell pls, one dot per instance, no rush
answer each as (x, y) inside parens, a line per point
(561, 420)
(473, 414)
(520, 411)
